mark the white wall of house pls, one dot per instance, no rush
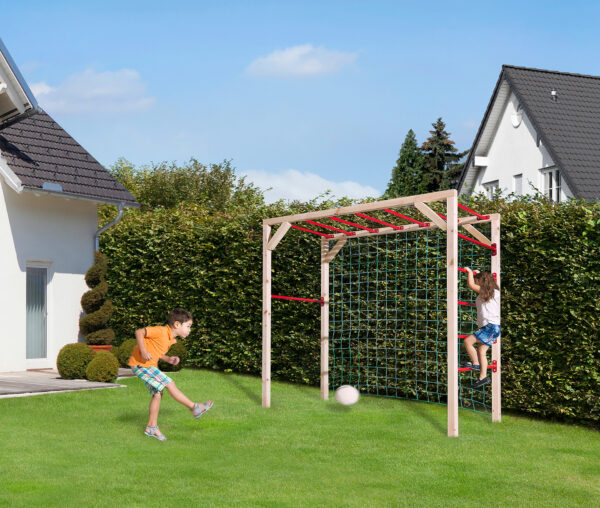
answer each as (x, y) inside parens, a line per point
(42, 231)
(515, 151)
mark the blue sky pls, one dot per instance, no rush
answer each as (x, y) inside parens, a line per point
(303, 96)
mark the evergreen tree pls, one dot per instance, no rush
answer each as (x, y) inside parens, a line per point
(441, 159)
(407, 174)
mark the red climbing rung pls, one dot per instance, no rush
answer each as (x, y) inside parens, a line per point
(311, 231)
(321, 301)
(466, 303)
(473, 212)
(493, 367)
(354, 224)
(349, 233)
(379, 221)
(477, 242)
(422, 224)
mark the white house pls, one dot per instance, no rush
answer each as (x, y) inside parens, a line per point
(49, 191)
(540, 132)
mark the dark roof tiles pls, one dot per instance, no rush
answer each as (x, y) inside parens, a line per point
(39, 150)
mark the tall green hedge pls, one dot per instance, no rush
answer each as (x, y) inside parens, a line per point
(212, 265)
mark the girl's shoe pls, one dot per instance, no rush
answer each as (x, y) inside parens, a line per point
(469, 365)
(154, 432)
(481, 382)
(200, 409)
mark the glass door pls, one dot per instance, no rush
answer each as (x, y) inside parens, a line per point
(36, 312)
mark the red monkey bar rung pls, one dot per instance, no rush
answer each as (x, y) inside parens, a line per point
(473, 212)
(355, 225)
(311, 231)
(380, 221)
(349, 233)
(422, 224)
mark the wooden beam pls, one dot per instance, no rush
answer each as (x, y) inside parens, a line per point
(364, 207)
(279, 234)
(477, 234)
(325, 319)
(266, 320)
(452, 312)
(496, 348)
(336, 248)
(431, 215)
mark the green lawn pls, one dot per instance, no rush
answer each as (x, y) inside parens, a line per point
(87, 449)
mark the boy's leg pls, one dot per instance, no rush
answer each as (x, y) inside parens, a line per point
(483, 363)
(178, 395)
(154, 408)
(469, 341)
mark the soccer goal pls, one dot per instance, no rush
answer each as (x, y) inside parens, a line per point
(394, 302)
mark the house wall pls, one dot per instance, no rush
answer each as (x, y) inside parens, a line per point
(514, 150)
(42, 231)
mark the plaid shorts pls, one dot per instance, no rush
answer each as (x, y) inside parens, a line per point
(154, 379)
(488, 334)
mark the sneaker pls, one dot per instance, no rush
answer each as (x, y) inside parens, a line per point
(469, 365)
(155, 433)
(479, 383)
(200, 409)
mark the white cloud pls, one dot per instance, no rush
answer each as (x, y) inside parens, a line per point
(291, 185)
(121, 91)
(300, 61)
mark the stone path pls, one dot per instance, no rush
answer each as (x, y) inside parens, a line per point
(36, 382)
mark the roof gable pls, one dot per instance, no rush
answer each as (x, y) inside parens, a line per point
(39, 151)
(569, 126)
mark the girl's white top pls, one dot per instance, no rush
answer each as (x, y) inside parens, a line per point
(488, 312)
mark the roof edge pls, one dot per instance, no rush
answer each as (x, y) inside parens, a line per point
(83, 197)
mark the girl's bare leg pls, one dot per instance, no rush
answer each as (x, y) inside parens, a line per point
(483, 363)
(469, 341)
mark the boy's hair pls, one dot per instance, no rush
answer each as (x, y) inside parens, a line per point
(487, 285)
(179, 314)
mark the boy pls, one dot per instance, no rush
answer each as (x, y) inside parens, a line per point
(152, 344)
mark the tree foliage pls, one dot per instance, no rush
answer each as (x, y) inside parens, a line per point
(407, 174)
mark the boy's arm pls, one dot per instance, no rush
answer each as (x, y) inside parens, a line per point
(471, 281)
(173, 360)
(139, 337)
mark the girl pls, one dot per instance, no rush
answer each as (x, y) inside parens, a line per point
(488, 322)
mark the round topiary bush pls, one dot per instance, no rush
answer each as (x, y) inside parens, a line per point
(104, 368)
(73, 360)
(177, 349)
(125, 350)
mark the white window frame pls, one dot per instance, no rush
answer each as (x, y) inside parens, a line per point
(518, 182)
(491, 188)
(551, 183)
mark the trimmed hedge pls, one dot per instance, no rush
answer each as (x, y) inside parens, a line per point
(212, 265)
(104, 368)
(73, 359)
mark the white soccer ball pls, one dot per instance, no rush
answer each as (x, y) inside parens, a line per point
(347, 395)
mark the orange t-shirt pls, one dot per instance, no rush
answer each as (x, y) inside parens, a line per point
(158, 340)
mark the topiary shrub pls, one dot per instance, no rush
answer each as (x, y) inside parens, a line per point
(104, 368)
(73, 359)
(179, 350)
(98, 310)
(124, 352)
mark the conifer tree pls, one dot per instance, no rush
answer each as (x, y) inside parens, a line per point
(441, 159)
(407, 174)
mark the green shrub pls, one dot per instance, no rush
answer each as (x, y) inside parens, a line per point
(125, 350)
(104, 368)
(179, 350)
(73, 359)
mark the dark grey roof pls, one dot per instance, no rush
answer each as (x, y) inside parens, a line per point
(38, 150)
(568, 127)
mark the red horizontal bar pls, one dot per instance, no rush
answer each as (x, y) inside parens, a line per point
(460, 336)
(491, 247)
(311, 231)
(473, 212)
(349, 233)
(297, 299)
(466, 303)
(355, 225)
(379, 221)
(422, 224)
(493, 367)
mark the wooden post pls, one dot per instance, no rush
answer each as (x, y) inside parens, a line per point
(452, 302)
(266, 319)
(496, 376)
(325, 319)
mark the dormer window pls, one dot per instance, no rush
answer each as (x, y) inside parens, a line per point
(551, 183)
(491, 188)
